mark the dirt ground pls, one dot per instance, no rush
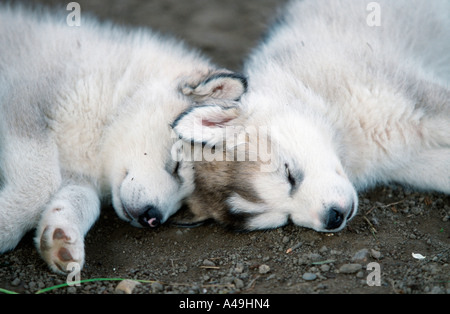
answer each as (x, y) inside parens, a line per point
(392, 223)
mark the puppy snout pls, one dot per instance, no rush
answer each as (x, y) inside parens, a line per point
(151, 218)
(337, 216)
(334, 219)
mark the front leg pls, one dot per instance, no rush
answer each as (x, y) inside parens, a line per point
(64, 224)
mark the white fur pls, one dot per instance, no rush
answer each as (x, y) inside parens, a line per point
(85, 114)
(349, 106)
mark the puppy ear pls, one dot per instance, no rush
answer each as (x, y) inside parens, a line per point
(206, 124)
(217, 85)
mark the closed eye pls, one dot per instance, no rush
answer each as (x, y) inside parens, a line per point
(174, 171)
(289, 176)
(294, 177)
(176, 168)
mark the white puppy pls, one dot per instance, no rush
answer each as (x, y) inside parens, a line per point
(346, 103)
(85, 113)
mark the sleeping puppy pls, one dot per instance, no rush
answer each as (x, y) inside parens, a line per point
(339, 105)
(85, 117)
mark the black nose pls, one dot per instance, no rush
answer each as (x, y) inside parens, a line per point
(334, 220)
(151, 218)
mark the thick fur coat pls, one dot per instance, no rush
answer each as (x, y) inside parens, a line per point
(349, 102)
(85, 115)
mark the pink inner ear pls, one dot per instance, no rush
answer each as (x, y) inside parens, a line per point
(218, 88)
(215, 123)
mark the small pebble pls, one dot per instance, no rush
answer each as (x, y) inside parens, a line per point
(350, 268)
(264, 269)
(309, 276)
(314, 257)
(375, 254)
(15, 282)
(157, 287)
(207, 262)
(323, 249)
(437, 290)
(238, 283)
(126, 286)
(361, 255)
(239, 268)
(325, 267)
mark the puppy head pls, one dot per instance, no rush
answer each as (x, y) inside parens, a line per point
(263, 177)
(146, 179)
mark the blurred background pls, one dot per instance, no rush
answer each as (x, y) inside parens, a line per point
(225, 30)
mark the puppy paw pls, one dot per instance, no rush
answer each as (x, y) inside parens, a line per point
(59, 246)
